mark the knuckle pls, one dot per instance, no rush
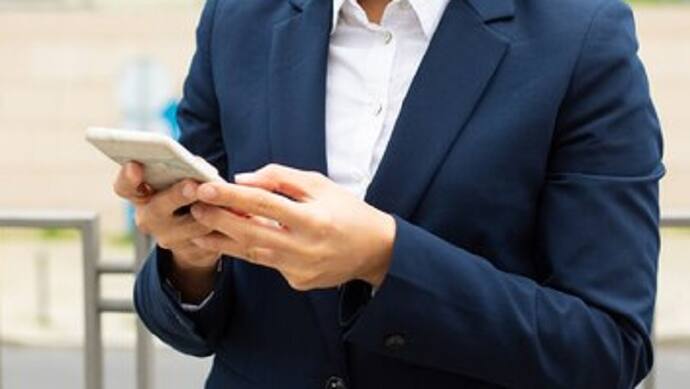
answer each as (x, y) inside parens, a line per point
(274, 171)
(306, 280)
(271, 168)
(297, 283)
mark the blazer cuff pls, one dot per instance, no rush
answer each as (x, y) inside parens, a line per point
(391, 322)
(354, 295)
(186, 306)
(201, 317)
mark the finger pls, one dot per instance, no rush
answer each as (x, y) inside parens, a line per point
(129, 182)
(177, 196)
(218, 242)
(181, 234)
(253, 201)
(246, 231)
(294, 183)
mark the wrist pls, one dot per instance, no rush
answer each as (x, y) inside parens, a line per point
(193, 259)
(193, 281)
(383, 251)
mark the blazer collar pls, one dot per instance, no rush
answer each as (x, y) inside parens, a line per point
(459, 64)
(429, 13)
(492, 10)
(488, 10)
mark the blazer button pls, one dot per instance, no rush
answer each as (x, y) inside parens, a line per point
(335, 383)
(395, 342)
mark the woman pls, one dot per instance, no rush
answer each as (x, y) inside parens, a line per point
(434, 194)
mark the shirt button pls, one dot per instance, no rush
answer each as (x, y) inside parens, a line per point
(335, 383)
(387, 37)
(378, 108)
(404, 4)
(395, 342)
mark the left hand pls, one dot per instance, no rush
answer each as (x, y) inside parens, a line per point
(314, 232)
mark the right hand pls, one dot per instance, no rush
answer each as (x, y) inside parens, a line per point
(193, 269)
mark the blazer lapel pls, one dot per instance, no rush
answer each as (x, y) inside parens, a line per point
(461, 59)
(297, 93)
(297, 86)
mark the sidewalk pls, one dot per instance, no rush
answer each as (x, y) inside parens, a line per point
(64, 366)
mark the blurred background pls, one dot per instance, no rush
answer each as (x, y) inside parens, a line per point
(69, 64)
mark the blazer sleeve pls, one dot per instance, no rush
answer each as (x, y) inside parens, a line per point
(156, 304)
(588, 324)
(194, 333)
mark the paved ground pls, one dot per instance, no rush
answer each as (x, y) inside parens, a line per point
(63, 366)
(62, 369)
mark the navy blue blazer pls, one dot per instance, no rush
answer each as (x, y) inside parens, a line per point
(523, 175)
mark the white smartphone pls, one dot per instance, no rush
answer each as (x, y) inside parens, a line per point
(165, 161)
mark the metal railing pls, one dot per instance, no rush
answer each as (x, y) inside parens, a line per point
(674, 220)
(87, 223)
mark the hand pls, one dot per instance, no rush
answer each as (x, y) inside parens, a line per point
(314, 232)
(193, 269)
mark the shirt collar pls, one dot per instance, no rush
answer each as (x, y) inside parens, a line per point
(429, 13)
(337, 6)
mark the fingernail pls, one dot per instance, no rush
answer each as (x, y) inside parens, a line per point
(208, 192)
(188, 191)
(244, 177)
(143, 189)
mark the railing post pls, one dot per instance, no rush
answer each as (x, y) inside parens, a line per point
(144, 342)
(0, 342)
(93, 341)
